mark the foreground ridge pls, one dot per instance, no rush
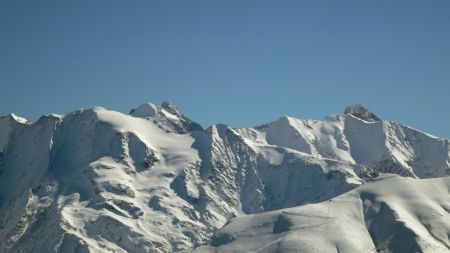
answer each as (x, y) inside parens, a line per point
(390, 214)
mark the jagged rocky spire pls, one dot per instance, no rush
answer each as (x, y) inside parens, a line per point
(361, 112)
(167, 116)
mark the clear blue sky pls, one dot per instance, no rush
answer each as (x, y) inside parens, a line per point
(236, 62)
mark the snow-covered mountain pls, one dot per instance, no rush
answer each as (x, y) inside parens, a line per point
(155, 181)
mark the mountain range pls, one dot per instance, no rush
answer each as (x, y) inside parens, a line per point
(154, 180)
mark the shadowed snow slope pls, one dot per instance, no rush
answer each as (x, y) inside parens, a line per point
(155, 181)
(389, 214)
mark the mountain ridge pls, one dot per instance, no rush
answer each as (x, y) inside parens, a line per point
(96, 176)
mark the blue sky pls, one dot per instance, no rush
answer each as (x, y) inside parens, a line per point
(236, 62)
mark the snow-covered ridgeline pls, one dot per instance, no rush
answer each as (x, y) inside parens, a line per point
(154, 180)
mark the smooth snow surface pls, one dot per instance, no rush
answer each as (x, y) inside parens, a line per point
(389, 214)
(155, 181)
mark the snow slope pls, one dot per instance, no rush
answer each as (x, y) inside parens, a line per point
(155, 181)
(389, 214)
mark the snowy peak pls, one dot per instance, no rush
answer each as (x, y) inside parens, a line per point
(168, 106)
(364, 139)
(8, 124)
(167, 116)
(144, 110)
(14, 117)
(360, 112)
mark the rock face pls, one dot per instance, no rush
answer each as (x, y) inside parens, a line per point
(155, 181)
(360, 112)
(167, 117)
